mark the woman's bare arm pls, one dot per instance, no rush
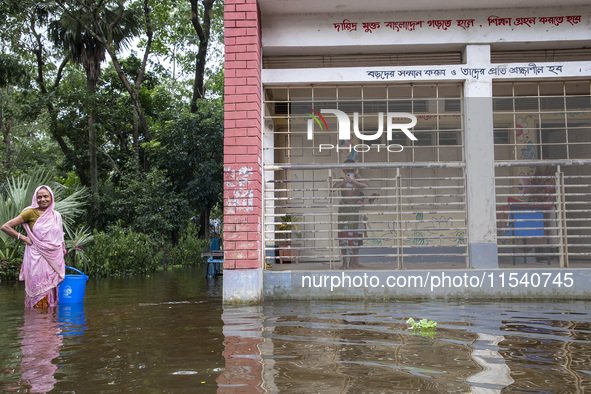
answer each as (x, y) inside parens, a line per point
(9, 226)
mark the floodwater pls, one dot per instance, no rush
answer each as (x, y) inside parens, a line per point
(169, 332)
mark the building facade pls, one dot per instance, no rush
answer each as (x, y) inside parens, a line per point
(467, 129)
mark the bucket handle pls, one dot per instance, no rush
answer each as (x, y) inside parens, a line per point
(77, 270)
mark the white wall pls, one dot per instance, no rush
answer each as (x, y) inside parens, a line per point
(295, 34)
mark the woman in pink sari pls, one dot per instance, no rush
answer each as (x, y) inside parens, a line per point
(43, 266)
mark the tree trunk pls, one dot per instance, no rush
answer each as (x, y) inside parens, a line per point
(198, 84)
(7, 147)
(91, 88)
(5, 128)
(136, 134)
(204, 223)
(202, 28)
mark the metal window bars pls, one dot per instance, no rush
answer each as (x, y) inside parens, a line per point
(544, 215)
(410, 214)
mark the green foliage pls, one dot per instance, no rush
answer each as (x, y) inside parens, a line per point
(84, 29)
(176, 41)
(30, 147)
(9, 269)
(188, 250)
(146, 203)
(288, 223)
(423, 327)
(122, 251)
(191, 153)
(12, 71)
(76, 244)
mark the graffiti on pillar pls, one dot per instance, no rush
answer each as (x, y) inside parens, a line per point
(238, 183)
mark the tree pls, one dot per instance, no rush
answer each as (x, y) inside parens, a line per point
(203, 30)
(190, 150)
(80, 104)
(11, 73)
(24, 30)
(80, 30)
(189, 37)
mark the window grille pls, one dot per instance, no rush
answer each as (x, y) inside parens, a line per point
(413, 212)
(542, 133)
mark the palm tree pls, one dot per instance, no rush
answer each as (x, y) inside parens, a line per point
(83, 32)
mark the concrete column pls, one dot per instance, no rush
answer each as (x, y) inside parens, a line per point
(243, 262)
(480, 171)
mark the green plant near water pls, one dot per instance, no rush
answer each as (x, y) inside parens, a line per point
(122, 251)
(422, 327)
(188, 250)
(9, 269)
(76, 244)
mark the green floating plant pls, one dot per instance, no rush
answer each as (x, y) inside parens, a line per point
(423, 327)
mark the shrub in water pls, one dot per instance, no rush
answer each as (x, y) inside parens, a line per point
(122, 251)
(188, 250)
(10, 269)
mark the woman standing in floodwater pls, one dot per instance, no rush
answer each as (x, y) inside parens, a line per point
(43, 266)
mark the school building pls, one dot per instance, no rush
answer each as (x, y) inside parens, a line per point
(469, 124)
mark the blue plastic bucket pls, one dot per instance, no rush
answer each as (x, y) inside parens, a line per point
(71, 290)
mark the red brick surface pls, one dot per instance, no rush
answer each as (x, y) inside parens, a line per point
(242, 136)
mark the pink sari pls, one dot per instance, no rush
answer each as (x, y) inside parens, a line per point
(43, 266)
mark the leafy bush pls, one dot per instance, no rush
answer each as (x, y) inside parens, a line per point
(145, 203)
(9, 269)
(188, 250)
(10, 259)
(121, 251)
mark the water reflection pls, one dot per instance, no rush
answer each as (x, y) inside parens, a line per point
(71, 319)
(243, 329)
(495, 374)
(40, 344)
(170, 332)
(367, 347)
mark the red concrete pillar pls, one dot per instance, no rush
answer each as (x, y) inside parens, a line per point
(242, 136)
